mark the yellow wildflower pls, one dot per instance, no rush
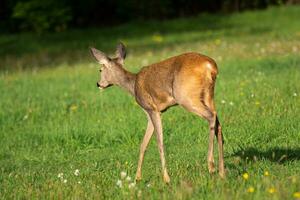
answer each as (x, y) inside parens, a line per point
(271, 190)
(157, 38)
(246, 176)
(217, 41)
(257, 103)
(296, 195)
(266, 173)
(250, 189)
(73, 107)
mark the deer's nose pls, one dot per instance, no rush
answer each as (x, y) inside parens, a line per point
(98, 85)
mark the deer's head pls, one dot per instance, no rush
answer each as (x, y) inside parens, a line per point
(110, 67)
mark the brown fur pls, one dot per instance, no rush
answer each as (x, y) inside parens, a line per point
(187, 79)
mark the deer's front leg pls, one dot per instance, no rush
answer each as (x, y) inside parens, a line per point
(156, 120)
(143, 148)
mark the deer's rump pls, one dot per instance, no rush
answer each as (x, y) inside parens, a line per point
(166, 83)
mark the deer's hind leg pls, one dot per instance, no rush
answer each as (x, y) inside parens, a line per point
(204, 107)
(220, 148)
(215, 127)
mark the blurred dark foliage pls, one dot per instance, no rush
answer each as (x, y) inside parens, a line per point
(57, 15)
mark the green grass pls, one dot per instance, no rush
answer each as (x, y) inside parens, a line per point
(54, 120)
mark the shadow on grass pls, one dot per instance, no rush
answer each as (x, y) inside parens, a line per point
(277, 155)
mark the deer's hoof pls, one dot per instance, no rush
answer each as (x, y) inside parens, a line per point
(222, 174)
(166, 178)
(138, 177)
(211, 167)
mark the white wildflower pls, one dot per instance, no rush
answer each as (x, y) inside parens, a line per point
(231, 103)
(223, 101)
(295, 94)
(148, 185)
(131, 185)
(65, 180)
(128, 178)
(123, 175)
(252, 95)
(60, 175)
(119, 183)
(76, 172)
(139, 194)
(79, 182)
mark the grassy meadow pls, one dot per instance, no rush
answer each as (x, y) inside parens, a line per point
(60, 138)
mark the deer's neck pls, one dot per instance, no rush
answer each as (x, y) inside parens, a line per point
(126, 80)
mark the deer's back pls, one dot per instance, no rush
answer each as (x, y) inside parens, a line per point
(157, 84)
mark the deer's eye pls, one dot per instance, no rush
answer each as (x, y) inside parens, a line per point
(100, 70)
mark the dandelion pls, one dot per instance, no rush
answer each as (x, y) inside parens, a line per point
(295, 94)
(128, 178)
(266, 173)
(119, 183)
(131, 185)
(65, 181)
(217, 41)
(73, 107)
(231, 103)
(296, 195)
(223, 101)
(76, 172)
(250, 189)
(246, 176)
(123, 175)
(271, 190)
(157, 38)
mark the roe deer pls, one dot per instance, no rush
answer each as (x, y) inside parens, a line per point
(187, 80)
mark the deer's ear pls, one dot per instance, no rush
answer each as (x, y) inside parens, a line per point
(121, 53)
(100, 56)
